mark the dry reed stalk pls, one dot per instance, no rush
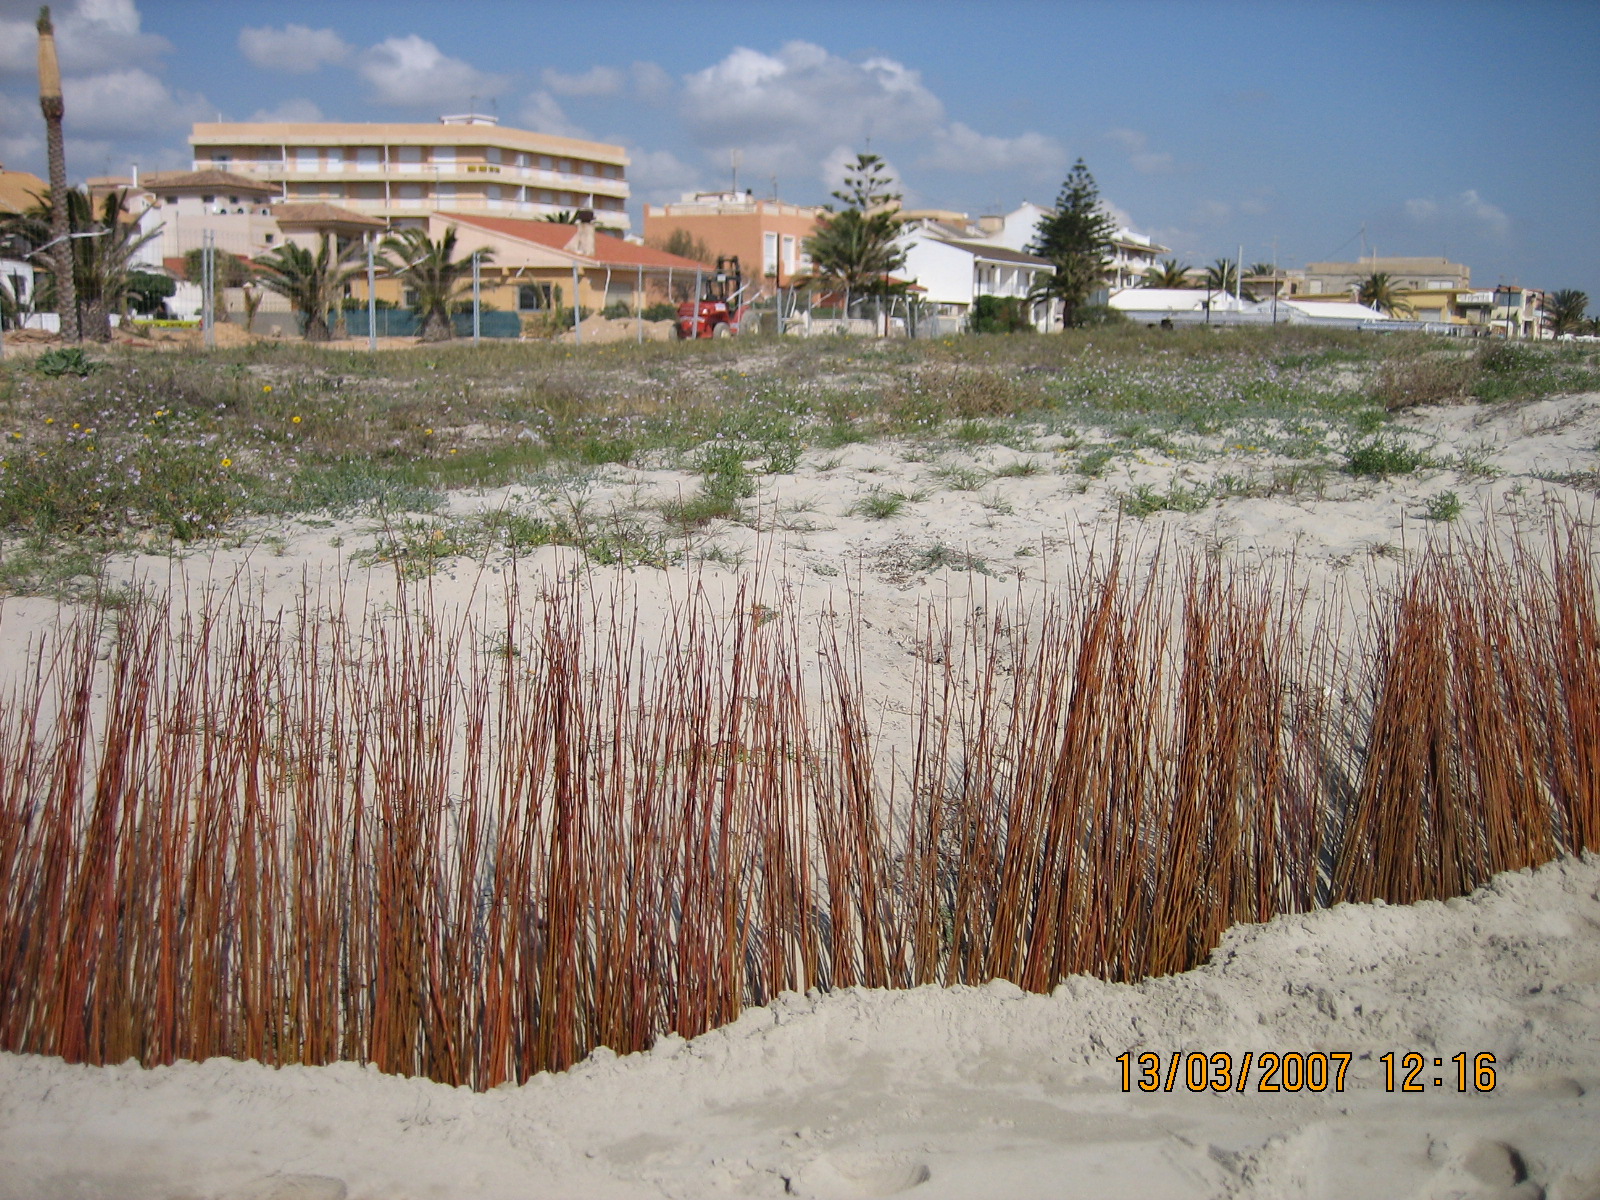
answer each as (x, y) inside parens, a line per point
(290, 837)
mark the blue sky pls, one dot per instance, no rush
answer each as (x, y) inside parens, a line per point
(1465, 129)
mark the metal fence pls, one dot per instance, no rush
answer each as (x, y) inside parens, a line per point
(402, 322)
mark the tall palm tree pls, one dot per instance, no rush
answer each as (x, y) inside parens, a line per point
(51, 104)
(1170, 273)
(432, 270)
(1380, 291)
(311, 283)
(1566, 309)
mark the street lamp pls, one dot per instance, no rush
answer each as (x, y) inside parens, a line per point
(1505, 297)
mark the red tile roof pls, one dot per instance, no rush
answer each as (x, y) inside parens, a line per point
(609, 251)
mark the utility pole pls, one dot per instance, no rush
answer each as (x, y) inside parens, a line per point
(372, 297)
(208, 288)
(51, 104)
(476, 297)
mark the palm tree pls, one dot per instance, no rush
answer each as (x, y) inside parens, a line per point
(432, 271)
(565, 217)
(311, 283)
(1380, 291)
(50, 103)
(1223, 276)
(1566, 309)
(1169, 274)
(101, 247)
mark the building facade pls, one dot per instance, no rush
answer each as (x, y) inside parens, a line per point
(404, 173)
(767, 236)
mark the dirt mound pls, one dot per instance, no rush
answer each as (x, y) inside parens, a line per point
(604, 330)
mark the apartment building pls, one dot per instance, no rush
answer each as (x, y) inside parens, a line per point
(767, 236)
(404, 173)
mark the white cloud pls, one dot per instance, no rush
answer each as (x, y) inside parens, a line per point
(296, 49)
(131, 102)
(1482, 210)
(21, 132)
(786, 111)
(90, 36)
(960, 148)
(411, 72)
(1467, 206)
(542, 113)
(596, 81)
(652, 82)
(1143, 159)
(290, 111)
(659, 176)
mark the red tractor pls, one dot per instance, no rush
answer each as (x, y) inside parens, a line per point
(719, 313)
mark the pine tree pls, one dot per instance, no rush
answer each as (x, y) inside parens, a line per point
(855, 249)
(1076, 238)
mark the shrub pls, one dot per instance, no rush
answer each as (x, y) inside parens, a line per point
(1404, 383)
(1383, 457)
(63, 360)
(1000, 314)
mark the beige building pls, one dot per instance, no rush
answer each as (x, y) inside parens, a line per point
(403, 173)
(767, 236)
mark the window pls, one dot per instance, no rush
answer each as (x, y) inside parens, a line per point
(788, 253)
(769, 253)
(411, 191)
(534, 297)
(233, 199)
(367, 158)
(172, 199)
(208, 199)
(588, 168)
(546, 163)
(270, 238)
(492, 154)
(444, 156)
(410, 154)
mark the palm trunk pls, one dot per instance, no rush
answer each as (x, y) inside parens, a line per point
(50, 103)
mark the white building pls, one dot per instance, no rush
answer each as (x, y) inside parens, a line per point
(953, 272)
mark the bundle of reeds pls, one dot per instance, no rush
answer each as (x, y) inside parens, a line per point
(298, 837)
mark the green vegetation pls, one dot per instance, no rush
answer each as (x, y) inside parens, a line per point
(106, 448)
(1076, 238)
(1383, 457)
(1446, 506)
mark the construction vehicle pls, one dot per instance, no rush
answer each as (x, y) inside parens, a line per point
(719, 312)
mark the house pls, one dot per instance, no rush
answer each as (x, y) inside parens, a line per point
(1131, 255)
(539, 265)
(404, 173)
(767, 236)
(19, 191)
(953, 272)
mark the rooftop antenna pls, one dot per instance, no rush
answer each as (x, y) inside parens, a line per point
(774, 189)
(735, 158)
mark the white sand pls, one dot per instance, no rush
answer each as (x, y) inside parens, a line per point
(964, 1092)
(968, 1092)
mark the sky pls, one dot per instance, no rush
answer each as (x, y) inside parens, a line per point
(1299, 131)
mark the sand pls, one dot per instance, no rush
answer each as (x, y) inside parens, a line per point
(960, 1092)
